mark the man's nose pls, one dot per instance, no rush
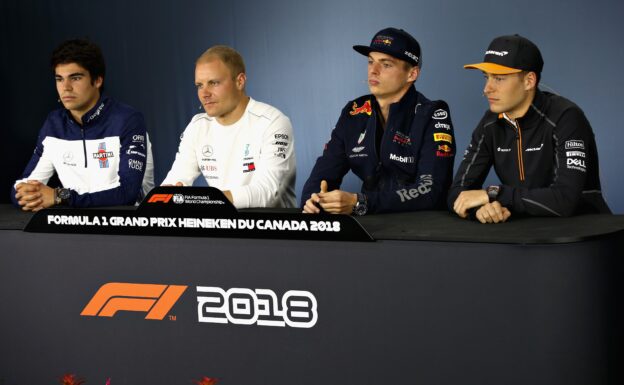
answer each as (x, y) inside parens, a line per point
(374, 68)
(488, 87)
(67, 85)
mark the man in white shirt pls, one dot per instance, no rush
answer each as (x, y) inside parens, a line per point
(241, 146)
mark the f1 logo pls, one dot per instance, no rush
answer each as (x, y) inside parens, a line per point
(112, 297)
(164, 198)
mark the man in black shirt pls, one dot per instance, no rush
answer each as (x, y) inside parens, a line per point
(541, 145)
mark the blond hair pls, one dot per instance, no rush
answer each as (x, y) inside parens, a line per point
(228, 55)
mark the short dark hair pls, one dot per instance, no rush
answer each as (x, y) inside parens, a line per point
(82, 52)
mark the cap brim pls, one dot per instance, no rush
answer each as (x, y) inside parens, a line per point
(366, 50)
(362, 49)
(492, 68)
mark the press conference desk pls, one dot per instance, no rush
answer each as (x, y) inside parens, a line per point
(434, 300)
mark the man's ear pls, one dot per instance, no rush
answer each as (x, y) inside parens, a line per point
(98, 82)
(241, 80)
(413, 74)
(530, 81)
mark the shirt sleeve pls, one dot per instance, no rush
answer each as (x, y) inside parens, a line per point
(434, 160)
(573, 142)
(332, 165)
(132, 163)
(274, 170)
(40, 167)
(475, 166)
(185, 168)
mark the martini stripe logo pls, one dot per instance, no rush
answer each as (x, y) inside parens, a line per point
(102, 155)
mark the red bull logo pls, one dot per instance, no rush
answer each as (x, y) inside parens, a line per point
(444, 151)
(383, 40)
(365, 109)
(445, 148)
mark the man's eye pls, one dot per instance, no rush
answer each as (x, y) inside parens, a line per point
(76, 78)
(386, 65)
(213, 83)
(198, 86)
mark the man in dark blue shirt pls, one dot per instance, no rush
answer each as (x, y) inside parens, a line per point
(398, 142)
(97, 146)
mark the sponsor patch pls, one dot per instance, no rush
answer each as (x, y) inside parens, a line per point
(423, 188)
(574, 144)
(445, 126)
(497, 53)
(207, 150)
(357, 149)
(133, 150)
(402, 159)
(576, 164)
(401, 139)
(411, 55)
(96, 113)
(364, 109)
(68, 158)
(249, 167)
(535, 148)
(102, 155)
(135, 164)
(499, 149)
(440, 137)
(361, 137)
(444, 151)
(440, 114)
(579, 154)
(383, 40)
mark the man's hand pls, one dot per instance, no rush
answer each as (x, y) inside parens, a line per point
(469, 199)
(493, 213)
(337, 201)
(312, 205)
(34, 195)
(228, 195)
